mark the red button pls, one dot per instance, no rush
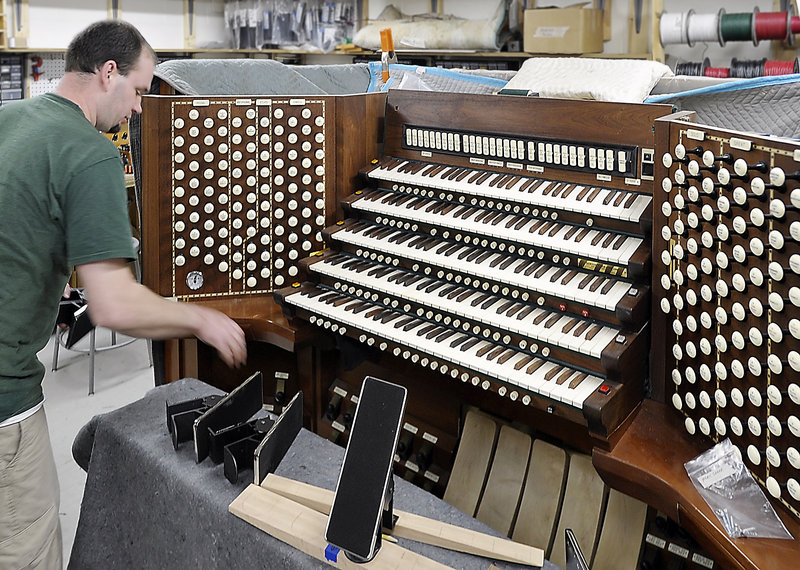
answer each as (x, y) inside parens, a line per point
(604, 389)
(585, 313)
(563, 306)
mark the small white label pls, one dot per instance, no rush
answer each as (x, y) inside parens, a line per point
(430, 437)
(741, 144)
(296, 102)
(338, 426)
(411, 466)
(426, 153)
(354, 399)
(534, 168)
(797, 155)
(263, 102)
(702, 561)
(432, 476)
(497, 163)
(633, 181)
(604, 178)
(473, 160)
(715, 473)
(282, 375)
(678, 550)
(341, 391)
(243, 102)
(409, 427)
(695, 134)
(655, 541)
(550, 31)
(201, 103)
(514, 165)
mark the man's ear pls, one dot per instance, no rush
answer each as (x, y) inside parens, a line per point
(107, 70)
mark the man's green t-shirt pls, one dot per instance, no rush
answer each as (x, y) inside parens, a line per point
(62, 203)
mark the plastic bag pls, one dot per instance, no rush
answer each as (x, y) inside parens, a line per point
(722, 479)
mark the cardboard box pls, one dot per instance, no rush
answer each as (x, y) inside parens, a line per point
(563, 30)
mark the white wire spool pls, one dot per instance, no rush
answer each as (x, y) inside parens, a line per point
(703, 28)
(673, 27)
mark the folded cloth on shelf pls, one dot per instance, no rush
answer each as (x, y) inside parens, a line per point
(619, 80)
(435, 32)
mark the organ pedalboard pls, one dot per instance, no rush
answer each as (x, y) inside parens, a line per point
(509, 250)
(725, 280)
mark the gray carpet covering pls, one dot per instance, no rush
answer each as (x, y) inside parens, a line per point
(147, 506)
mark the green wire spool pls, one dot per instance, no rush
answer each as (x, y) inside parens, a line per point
(736, 27)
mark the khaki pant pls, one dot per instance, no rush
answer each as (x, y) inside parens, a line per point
(30, 531)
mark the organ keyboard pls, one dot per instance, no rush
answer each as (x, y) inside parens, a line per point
(511, 255)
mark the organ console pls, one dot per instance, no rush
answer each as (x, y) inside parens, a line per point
(500, 253)
(508, 251)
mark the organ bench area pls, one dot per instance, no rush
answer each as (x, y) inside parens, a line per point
(496, 256)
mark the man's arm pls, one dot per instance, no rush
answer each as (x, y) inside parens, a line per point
(118, 302)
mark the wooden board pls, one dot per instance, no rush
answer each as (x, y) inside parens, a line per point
(500, 500)
(471, 463)
(541, 497)
(584, 499)
(304, 528)
(621, 537)
(415, 527)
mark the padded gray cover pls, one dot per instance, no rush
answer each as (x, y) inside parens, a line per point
(770, 109)
(261, 77)
(146, 505)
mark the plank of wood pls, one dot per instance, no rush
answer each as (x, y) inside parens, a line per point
(304, 528)
(472, 462)
(621, 537)
(415, 527)
(541, 497)
(584, 499)
(501, 497)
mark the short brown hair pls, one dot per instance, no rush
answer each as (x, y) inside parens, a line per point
(107, 40)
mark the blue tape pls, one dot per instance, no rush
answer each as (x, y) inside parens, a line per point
(374, 69)
(376, 72)
(332, 553)
(753, 83)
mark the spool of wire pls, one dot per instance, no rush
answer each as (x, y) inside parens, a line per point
(748, 68)
(736, 27)
(773, 26)
(717, 72)
(703, 28)
(693, 68)
(673, 27)
(780, 67)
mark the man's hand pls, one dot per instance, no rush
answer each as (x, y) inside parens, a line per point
(221, 332)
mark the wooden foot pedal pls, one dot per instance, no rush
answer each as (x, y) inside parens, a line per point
(621, 537)
(507, 476)
(584, 500)
(541, 497)
(472, 462)
(415, 527)
(365, 481)
(304, 528)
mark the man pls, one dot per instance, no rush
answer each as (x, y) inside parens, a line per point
(63, 204)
